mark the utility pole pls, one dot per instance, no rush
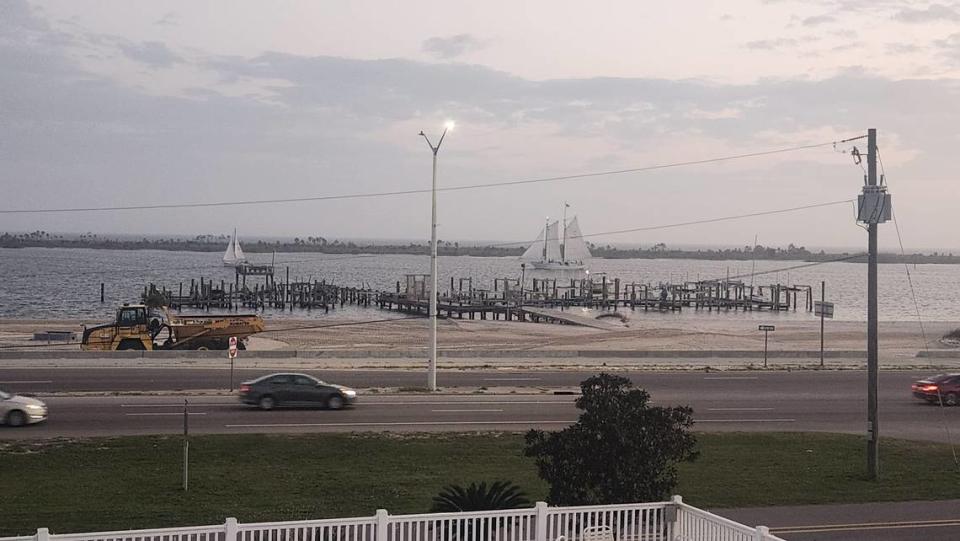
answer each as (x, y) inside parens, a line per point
(873, 418)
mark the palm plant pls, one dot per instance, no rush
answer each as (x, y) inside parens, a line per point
(479, 497)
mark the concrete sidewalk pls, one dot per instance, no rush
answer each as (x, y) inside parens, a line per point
(531, 360)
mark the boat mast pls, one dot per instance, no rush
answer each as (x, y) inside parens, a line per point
(563, 247)
(546, 228)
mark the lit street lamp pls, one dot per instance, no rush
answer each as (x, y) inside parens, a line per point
(432, 365)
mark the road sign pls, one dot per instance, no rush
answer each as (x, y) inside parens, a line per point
(823, 309)
(766, 332)
(233, 355)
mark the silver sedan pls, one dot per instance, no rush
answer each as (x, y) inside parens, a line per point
(16, 410)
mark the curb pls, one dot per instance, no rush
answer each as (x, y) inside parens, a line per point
(460, 354)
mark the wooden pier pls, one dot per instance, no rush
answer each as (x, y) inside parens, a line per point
(509, 300)
(540, 300)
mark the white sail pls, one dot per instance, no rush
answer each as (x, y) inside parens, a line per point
(535, 251)
(238, 251)
(234, 254)
(553, 241)
(230, 256)
(575, 248)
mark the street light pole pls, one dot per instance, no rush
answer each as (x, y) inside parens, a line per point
(432, 362)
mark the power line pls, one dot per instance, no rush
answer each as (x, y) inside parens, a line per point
(580, 176)
(696, 222)
(795, 267)
(508, 244)
(916, 307)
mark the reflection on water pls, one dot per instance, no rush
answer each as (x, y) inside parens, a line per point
(65, 283)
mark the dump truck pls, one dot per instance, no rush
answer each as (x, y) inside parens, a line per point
(138, 327)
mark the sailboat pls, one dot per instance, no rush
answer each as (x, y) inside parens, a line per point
(234, 257)
(548, 253)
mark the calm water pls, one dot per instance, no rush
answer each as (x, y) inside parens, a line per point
(65, 283)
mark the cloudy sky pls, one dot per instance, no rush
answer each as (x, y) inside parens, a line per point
(113, 103)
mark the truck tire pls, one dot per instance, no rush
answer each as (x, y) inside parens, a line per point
(127, 345)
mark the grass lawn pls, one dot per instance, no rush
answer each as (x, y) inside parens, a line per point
(134, 482)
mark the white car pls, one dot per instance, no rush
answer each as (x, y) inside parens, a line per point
(16, 410)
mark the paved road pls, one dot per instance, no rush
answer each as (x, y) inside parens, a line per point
(797, 401)
(755, 401)
(886, 521)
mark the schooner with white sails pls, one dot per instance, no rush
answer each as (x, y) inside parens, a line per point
(549, 253)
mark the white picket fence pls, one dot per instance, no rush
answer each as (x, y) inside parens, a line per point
(661, 521)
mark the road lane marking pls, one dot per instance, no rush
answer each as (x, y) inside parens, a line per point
(465, 411)
(739, 409)
(411, 423)
(162, 414)
(818, 528)
(731, 377)
(25, 381)
(191, 404)
(512, 379)
(465, 402)
(375, 403)
(744, 420)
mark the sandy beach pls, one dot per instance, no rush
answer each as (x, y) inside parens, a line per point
(685, 334)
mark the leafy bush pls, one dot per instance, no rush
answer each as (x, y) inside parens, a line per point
(621, 450)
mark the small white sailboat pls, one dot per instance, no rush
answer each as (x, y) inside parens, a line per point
(234, 257)
(548, 253)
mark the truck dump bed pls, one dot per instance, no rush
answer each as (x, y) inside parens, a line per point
(219, 326)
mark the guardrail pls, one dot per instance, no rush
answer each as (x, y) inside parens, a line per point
(659, 521)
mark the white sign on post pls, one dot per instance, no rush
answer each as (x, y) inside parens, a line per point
(233, 347)
(824, 309)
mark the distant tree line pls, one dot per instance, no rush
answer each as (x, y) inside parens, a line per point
(318, 244)
(760, 252)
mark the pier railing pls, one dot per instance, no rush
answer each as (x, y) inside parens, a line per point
(659, 521)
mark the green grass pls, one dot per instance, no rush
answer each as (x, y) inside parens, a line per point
(134, 482)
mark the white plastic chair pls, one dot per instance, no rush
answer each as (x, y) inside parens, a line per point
(597, 533)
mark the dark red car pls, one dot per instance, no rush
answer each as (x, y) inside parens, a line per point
(942, 388)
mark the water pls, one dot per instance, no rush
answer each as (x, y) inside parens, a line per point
(65, 283)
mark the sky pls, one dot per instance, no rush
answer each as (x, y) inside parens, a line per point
(118, 103)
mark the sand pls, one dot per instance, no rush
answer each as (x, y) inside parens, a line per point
(703, 333)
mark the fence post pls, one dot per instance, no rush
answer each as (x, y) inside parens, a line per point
(541, 509)
(382, 521)
(43, 534)
(762, 533)
(230, 529)
(672, 518)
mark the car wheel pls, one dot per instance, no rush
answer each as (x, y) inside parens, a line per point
(203, 348)
(267, 403)
(335, 402)
(950, 399)
(16, 418)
